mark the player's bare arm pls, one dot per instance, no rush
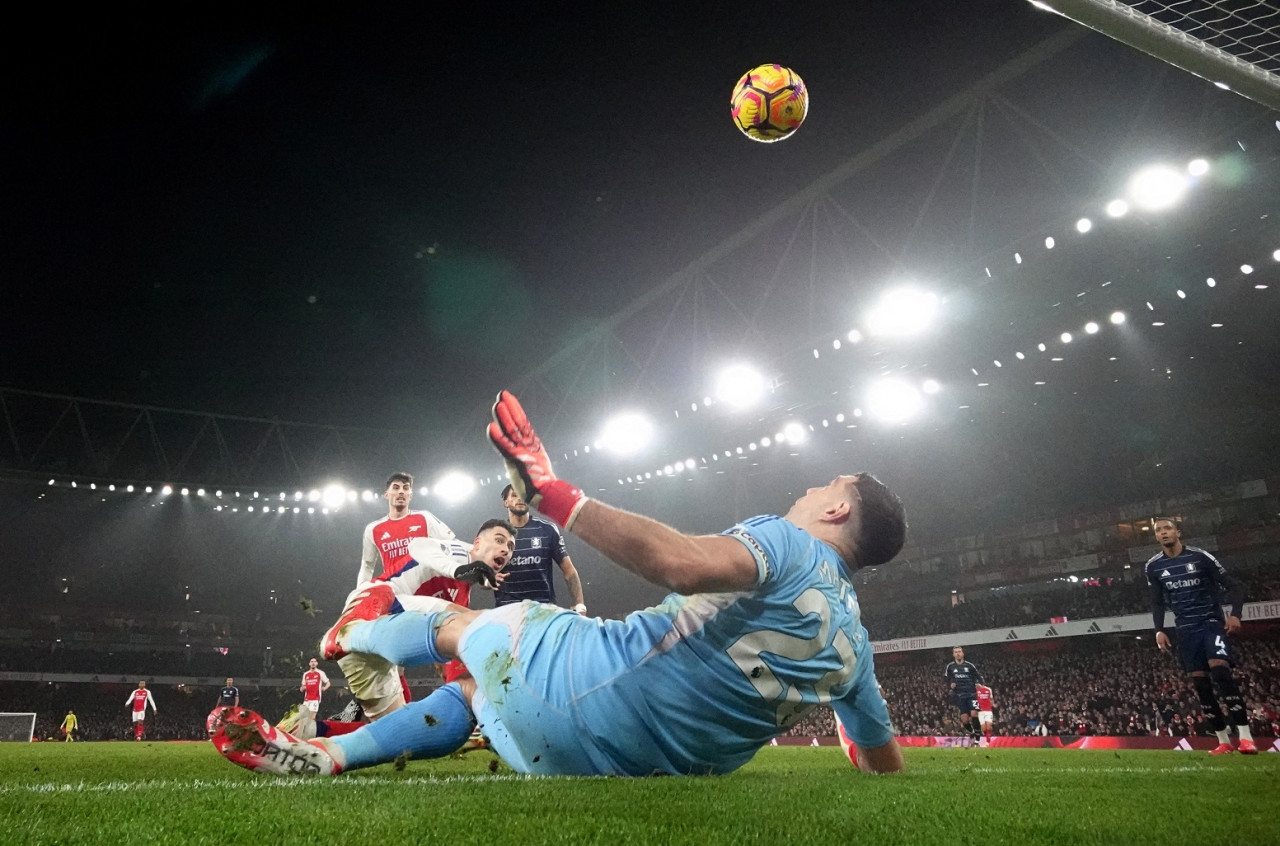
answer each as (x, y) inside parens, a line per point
(574, 583)
(661, 555)
(652, 550)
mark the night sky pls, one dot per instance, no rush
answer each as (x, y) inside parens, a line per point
(381, 220)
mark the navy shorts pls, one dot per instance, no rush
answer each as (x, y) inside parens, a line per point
(1196, 648)
(965, 702)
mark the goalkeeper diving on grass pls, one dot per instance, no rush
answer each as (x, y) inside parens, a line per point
(762, 626)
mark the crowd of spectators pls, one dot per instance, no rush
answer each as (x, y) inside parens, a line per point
(988, 609)
(1080, 687)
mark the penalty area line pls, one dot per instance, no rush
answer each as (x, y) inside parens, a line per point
(277, 783)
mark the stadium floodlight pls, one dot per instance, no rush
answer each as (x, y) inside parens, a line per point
(855, 336)
(185, 491)
(334, 495)
(930, 386)
(1083, 225)
(199, 491)
(1117, 317)
(893, 401)
(902, 312)
(1157, 188)
(313, 495)
(455, 486)
(367, 496)
(1246, 269)
(1276, 255)
(626, 433)
(740, 385)
(792, 433)
(1117, 208)
(1091, 328)
(1197, 167)
(1066, 337)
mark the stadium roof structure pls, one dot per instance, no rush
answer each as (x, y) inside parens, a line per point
(977, 189)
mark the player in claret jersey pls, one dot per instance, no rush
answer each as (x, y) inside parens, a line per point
(1191, 583)
(138, 701)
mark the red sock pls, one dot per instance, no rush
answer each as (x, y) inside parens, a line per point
(332, 728)
(404, 688)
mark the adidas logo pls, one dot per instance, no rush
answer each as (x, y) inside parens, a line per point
(1012, 635)
(1093, 627)
(386, 535)
(1164, 574)
(1183, 745)
(1051, 632)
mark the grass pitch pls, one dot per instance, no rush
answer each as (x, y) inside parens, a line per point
(184, 793)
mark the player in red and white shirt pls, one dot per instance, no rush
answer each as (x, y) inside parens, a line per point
(985, 708)
(138, 701)
(414, 550)
(314, 683)
(385, 547)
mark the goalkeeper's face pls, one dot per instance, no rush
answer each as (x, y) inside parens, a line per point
(494, 547)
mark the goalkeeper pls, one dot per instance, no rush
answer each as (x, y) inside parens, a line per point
(763, 625)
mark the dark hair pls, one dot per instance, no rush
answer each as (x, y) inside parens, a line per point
(883, 528)
(1177, 524)
(398, 477)
(496, 523)
(508, 489)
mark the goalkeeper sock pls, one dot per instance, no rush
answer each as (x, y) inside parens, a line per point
(407, 639)
(429, 728)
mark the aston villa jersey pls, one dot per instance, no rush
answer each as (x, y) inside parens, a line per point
(1190, 584)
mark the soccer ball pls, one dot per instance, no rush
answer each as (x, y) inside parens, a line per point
(769, 103)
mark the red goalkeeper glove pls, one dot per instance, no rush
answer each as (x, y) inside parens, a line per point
(528, 466)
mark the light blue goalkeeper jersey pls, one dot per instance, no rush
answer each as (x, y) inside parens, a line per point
(698, 683)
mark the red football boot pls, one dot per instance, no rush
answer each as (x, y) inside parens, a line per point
(367, 604)
(1222, 749)
(244, 738)
(1247, 747)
